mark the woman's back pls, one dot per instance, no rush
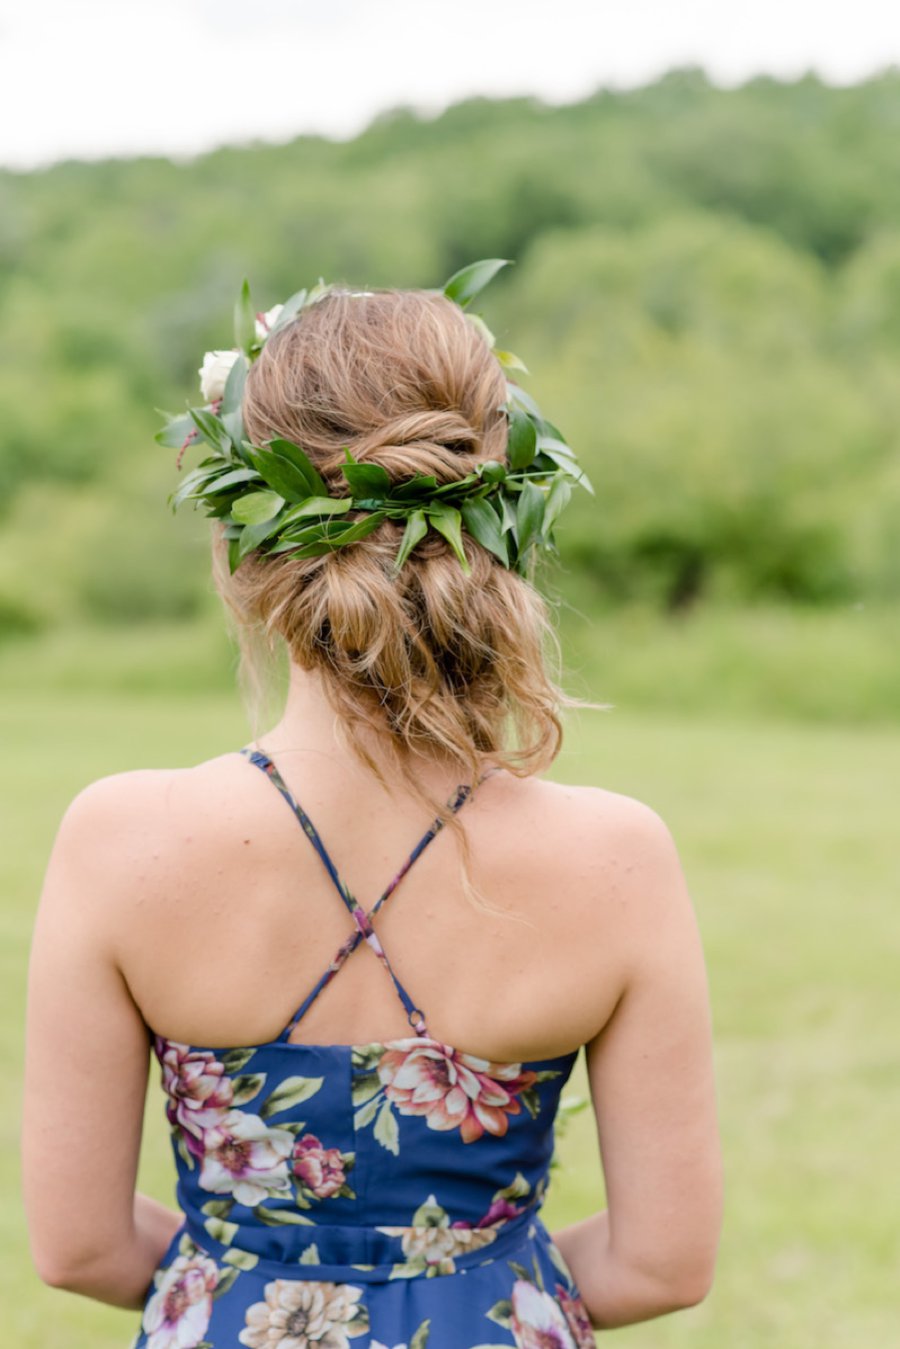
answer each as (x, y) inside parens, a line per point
(404, 1132)
(231, 916)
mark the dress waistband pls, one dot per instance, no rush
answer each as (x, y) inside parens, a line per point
(356, 1254)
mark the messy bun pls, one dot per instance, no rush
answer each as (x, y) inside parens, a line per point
(436, 662)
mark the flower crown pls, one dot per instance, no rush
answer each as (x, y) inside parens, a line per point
(272, 498)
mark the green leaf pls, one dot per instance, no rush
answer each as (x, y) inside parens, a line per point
(386, 1130)
(175, 432)
(480, 326)
(236, 1059)
(182, 1149)
(317, 506)
(310, 1256)
(529, 1097)
(231, 478)
(316, 485)
(225, 1281)
(557, 499)
(430, 1214)
(510, 361)
(522, 443)
(447, 521)
(520, 399)
(244, 320)
(241, 1259)
(482, 522)
(416, 529)
(281, 1217)
(289, 1093)
(420, 1338)
(211, 429)
(329, 538)
(470, 281)
(565, 459)
(193, 483)
(501, 1312)
(257, 507)
(420, 485)
(364, 1116)
(217, 1208)
(492, 471)
(289, 311)
(280, 473)
(253, 535)
(247, 1086)
(529, 515)
(219, 1230)
(234, 387)
(367, 478)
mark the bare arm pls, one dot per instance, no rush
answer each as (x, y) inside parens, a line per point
(653, 1250)
(86, 1063)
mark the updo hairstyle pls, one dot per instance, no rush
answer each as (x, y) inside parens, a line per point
(434, 662)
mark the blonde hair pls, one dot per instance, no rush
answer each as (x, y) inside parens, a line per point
(434, 662)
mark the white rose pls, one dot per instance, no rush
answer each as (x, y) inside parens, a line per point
(266, 322)
(214, 373)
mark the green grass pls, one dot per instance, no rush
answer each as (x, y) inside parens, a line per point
(787, 833)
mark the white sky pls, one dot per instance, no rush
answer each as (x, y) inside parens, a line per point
(88, 78)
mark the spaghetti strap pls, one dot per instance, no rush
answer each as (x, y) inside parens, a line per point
(362, 919)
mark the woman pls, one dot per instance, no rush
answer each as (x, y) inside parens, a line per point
(362, 1153)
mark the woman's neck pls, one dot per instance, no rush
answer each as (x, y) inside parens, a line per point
(309, 725)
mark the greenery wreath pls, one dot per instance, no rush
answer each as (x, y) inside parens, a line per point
(272, 498)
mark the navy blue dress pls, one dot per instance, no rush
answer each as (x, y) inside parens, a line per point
(382, 1195)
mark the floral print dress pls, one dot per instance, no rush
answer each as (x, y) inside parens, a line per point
(369, 1196)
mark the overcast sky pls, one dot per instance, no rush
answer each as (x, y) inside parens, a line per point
(88, 78)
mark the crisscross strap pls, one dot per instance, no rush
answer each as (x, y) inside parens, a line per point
(362, 920)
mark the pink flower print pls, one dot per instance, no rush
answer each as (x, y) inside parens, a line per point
(452, 1090)
(575, 1313)
(199, 1091)
(537, 1319)
(499, 1211)
(177, 1314)
(244, 1157)
(319, 1170)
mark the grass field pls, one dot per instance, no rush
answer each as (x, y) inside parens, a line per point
(788, 835)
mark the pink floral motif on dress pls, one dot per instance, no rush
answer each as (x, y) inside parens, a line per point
(199, 1090)
(320, 1170)
(537, 1319)
(244, 1157)
(453, 1090)
(576, 1314)
(177, 1313)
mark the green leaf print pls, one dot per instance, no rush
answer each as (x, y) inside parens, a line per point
(420, 1338)
(310, 1256)
(226, 1280)
(289, 1093)
(365, 1086)
(241, 1259)
(501, 1312)
(217, 1208)
(220, 1230)
(235, 1059)
(386, 1130)
(246, 1087)
(281, 1217)
(367, 1113)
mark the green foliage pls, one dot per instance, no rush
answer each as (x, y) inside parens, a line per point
(707, 290)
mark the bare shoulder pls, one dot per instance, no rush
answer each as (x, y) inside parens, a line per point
(126, 817)
(603, 824)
